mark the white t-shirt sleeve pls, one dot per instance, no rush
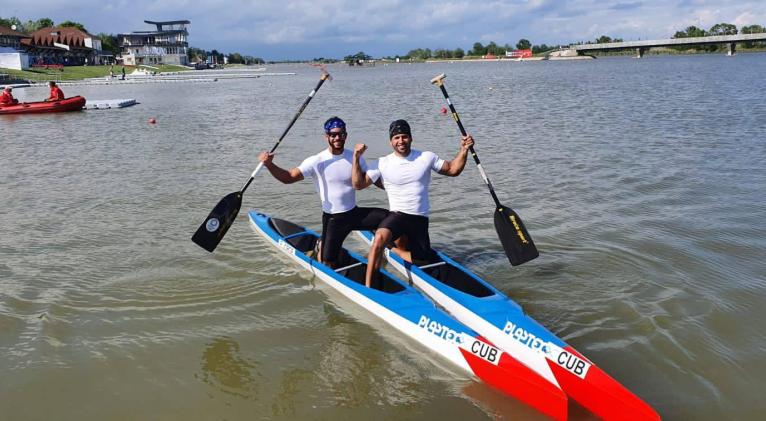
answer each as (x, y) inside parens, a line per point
(436, 162)
(373, 170)
(307, 166)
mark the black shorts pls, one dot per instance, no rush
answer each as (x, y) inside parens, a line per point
(415, 227)
(337, 226)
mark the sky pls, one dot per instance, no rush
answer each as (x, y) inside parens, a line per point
(306, 29)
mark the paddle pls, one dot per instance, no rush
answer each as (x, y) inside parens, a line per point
(513, 235)
(211, 232)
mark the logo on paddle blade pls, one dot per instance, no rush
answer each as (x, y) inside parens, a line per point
(212, 225)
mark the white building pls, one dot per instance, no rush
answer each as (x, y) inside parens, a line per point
(11, 56)
(167, 45)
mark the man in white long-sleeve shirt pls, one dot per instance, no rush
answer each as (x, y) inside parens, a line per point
(406, 176)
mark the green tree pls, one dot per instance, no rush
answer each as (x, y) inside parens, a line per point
(33, 25)
(442, 53)
(253, 60)
(493, 49)
(109, 43)
(39, 24)
(478, 50)
(603, 39)
(753, 29)
(195, 54)
(44, 23)
(357, 58)
(723, 29)
(70, 24)
(419, 54)
(458, 53)
(11, 22)
(235, 58)
(523, 44)
(690, 32)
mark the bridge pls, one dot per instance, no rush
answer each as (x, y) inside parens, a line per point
(642, 46)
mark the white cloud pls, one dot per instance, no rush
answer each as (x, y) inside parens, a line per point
(387, 27)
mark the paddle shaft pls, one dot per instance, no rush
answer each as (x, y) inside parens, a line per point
(324, 77)
(470, 148)
(217, 223)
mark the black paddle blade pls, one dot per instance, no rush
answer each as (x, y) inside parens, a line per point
(211, 232)
(516, 241)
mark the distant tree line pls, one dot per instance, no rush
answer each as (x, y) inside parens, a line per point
(720, 29)
(357, 58)
(480, 50)
(197, 55)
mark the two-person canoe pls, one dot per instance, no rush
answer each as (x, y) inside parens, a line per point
(407, 310)
(485, 309)
(69, 104)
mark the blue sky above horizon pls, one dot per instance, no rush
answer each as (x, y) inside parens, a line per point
(305, 29)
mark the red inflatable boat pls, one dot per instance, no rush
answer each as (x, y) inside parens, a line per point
(69, 104)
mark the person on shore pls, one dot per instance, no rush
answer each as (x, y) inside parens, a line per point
(6, 97)
(123, 73)
(406, 177)
(331, 171)
(56, 93)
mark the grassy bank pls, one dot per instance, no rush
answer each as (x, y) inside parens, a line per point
(77, 72)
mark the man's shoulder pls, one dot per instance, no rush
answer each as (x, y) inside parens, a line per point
(312, 159)
(423, 154)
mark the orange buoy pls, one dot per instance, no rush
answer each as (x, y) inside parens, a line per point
(152, 120)
(444, 110)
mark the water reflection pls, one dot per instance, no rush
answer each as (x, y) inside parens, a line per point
(224, 369)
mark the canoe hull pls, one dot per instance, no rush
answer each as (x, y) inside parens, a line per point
(405, 309)
(492, 314)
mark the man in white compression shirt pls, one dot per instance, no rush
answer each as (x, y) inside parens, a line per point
(331, 171)
(406, 176)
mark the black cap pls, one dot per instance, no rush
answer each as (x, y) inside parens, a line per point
(399, 127)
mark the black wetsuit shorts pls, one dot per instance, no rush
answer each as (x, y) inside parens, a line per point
(415, 227)
(337, 226)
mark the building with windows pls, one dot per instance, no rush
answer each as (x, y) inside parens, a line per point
(10, 38)
(62, 46)
(10, 45)
(166, 45)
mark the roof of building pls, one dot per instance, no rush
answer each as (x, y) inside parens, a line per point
(46, 37)
(4, 30)
(169, 22)
(165, 32)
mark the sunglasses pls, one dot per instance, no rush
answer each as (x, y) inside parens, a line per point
(336, 134)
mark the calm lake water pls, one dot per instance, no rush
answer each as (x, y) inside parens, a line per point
(642, 182)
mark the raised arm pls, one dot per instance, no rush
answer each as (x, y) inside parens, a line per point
(359, 179)
(281, 174)
(455, 167)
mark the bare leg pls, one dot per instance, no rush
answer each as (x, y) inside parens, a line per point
(318, 251)
(400, 248)
(382, 237)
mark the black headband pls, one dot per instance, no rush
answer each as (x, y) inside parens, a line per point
(399, 127)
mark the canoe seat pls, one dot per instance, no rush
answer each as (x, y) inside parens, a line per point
(459, 280)
(303, 243)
